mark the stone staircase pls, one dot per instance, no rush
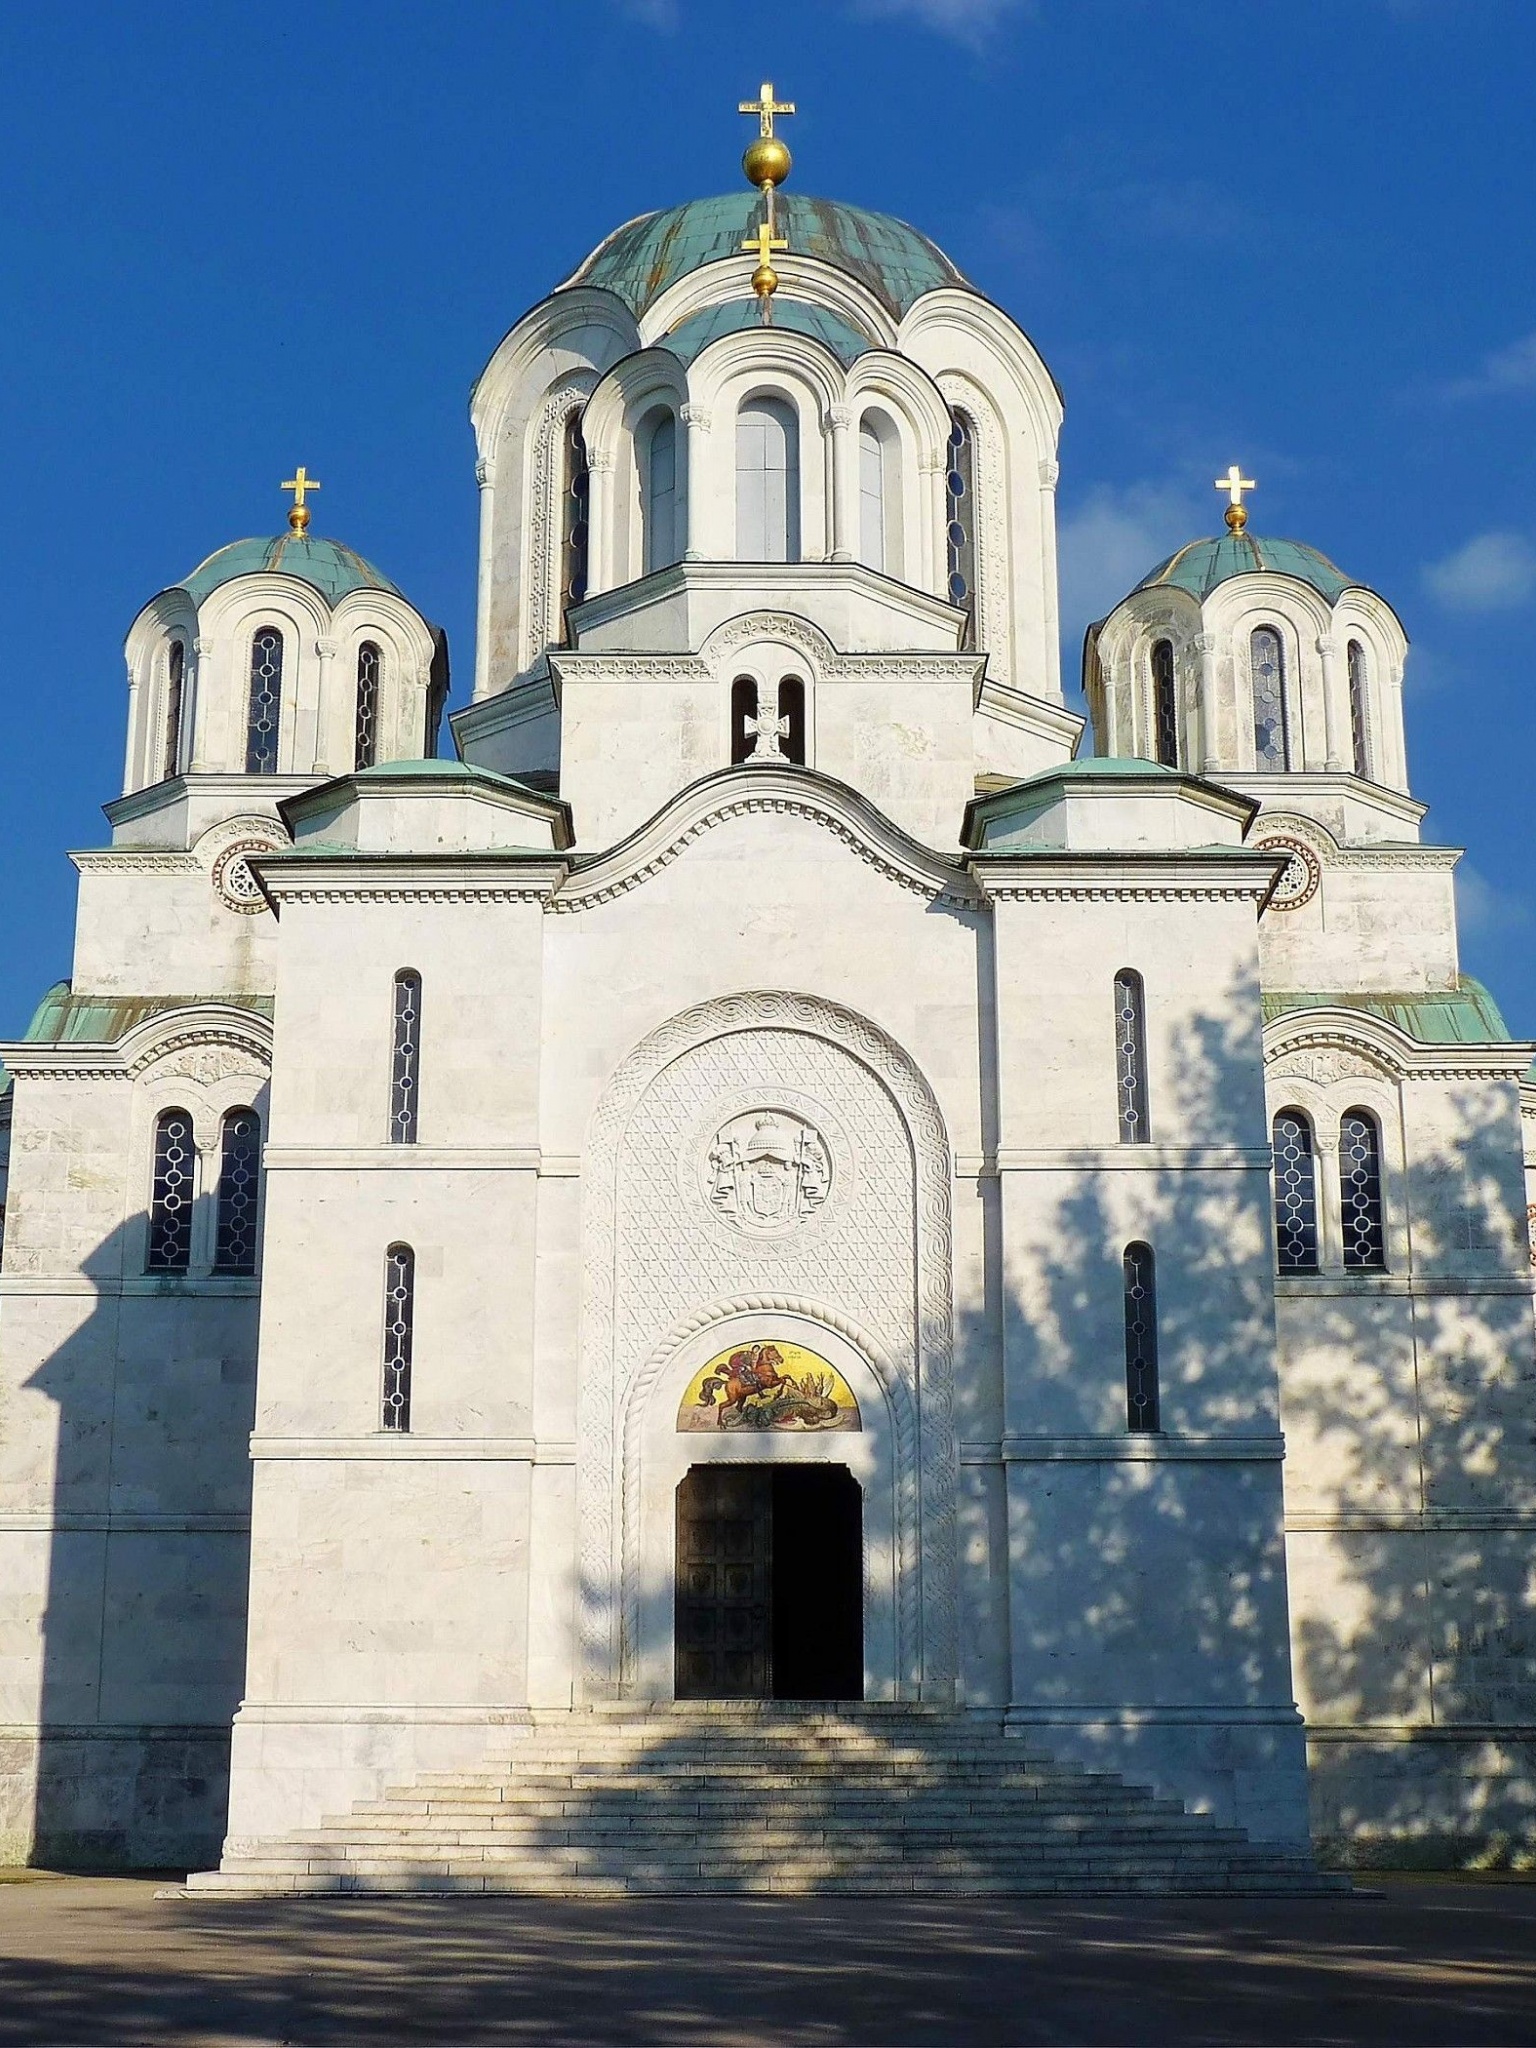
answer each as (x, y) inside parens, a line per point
(728, 1797)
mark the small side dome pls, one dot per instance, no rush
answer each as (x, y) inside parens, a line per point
(325, 565)
(1204, 564)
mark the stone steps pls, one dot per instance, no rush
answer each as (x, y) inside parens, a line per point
(748, 1798)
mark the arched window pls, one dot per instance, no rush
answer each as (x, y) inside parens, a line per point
(659, 492)
(405, 1064)
(1140, 1338)
(370, 665)
(171, 1194)
(575, 490)
(960, 533)
(175, 688)
(1131, 1058)
(743, 713)
(1271, 717)
(792, 719)
(1165, 704)
(1365, 1237)
(1359, 722)
(399, 1327)
(767, 482)
(239, 1185)
(1295, 1193)
(879, 494)
(266, 701)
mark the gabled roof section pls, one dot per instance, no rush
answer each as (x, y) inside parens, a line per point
(65, 1018)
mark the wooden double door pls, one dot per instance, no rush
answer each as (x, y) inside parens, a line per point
(770, 1583)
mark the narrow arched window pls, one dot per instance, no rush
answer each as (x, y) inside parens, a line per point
(1295, 1193)
(1271, 717)
(1131, 1058)
(1165, 704)
(1359, 721)
(1365, 1237)
(1140, 1338)
(234, 1248)
(659, 501)
(767, 482)
(792, 719)
(266, 701)
(960, 531)
(171, 1194)
(575, 493)
(405, 1063)
(399, 1329)
(175, 690)
(743, 718)
(365, 745)
(871, 495)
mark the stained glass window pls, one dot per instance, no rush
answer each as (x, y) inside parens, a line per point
(1131, 1058)
(1165, 704)
(370, 664)
(1140, 1338)
(175, 684)
(574, 500)
(1365, 1241)
(266, 701)
(1295, 1193)
(239, 1187)
(792, 712)
(960, 532)
(1271, 719)
(399, 1323)
(405, 1070)
(1359, 723)
(767, 482)
(171, 1194)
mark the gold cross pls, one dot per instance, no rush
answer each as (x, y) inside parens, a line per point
(1234, 483)
(762, 245)
(300, 483)
(765, 107)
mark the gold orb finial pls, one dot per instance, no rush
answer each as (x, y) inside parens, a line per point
(765, 279)
(766, 161)
(299, 483)
(1234, 483)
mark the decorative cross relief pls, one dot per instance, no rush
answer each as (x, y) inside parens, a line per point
(768, 729)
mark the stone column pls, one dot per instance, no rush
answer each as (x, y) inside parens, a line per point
(843, 491)
(201, 679)
(600, 538)
(932, 471)
(326, 649)
(1394, 749)
(697, 419)
(485, 477)
(1050, 476)
(131, 748)
(1330, 1207)
(1334, 726)
(1205, 647)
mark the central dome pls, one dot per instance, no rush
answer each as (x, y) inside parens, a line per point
(640, 260)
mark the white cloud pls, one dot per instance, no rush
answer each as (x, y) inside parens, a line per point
(1109, 542)
(966, 21)
(1484, 911)
(665, 15)
(1491, 572)
(1505, 370)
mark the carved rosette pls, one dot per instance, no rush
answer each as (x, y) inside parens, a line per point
(1303, 875)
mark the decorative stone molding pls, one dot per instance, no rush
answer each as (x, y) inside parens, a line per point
(1204, 643)
(410, 892)
(1050, 474)
(837, 419)
(1130, 892)
(1302, 876)
(326, 648)
(1325, 1067)
(485, 472)
(644, 1123)
(600, 459)
(542, 620)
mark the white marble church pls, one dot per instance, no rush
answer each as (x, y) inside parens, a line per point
(768, 1169)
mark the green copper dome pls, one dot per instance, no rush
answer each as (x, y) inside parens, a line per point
(639, 260)
(325, 565)
(1204, 564)
(737, 316)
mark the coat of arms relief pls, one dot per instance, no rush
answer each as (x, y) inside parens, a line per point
(767, 1171)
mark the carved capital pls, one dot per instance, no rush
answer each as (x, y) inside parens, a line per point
(485, 472)
(325, 648)
(696, 416)
(200, 647)
(1205, 643)
(1327, 646)
(837, 419)
(600, 460)
(1050, 474)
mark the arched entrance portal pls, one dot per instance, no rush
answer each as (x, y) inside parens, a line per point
(769, 1583)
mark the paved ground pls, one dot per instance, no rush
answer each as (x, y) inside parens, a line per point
(101, 1960)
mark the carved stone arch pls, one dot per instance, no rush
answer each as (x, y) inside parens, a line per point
(622, 1333)
(543, 626)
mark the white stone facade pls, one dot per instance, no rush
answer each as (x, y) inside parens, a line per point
(790, 855)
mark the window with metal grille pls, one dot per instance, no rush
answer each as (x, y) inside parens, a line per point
(1359, 720)
(1140, 1338)
(266, 701)
(234, 1248)
(1165, 704)
(792, 716)
(1295, 1193)
(370, 668)
(960, 529)
(171, 1194)
(1131, 1058)
(399, 1325)
(575, 497)
(1271, 716)
(1365, 1237)
(175, 686)
(405, 1070)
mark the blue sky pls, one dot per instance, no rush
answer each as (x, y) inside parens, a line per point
(1295, 233)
